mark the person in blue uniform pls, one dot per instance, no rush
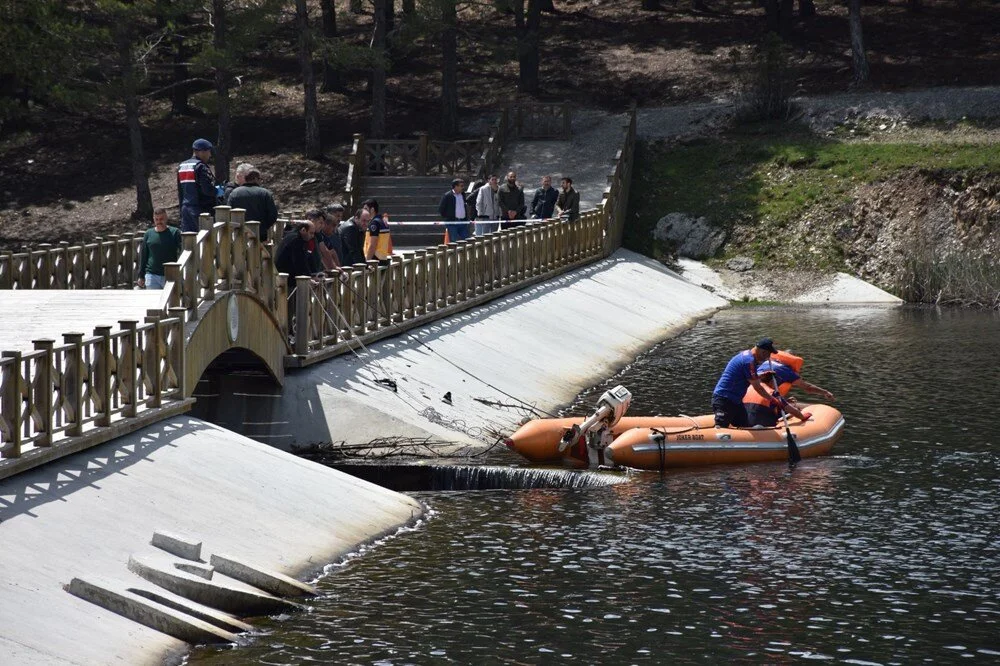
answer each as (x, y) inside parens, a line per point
(740, 374)
(196, 185)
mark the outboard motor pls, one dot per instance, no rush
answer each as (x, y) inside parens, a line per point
(595, 433)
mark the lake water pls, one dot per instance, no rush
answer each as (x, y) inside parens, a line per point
(888, 552)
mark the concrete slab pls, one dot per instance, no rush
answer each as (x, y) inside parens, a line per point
(535, 348)
(847, 289)
(50, 313)
(84, 515)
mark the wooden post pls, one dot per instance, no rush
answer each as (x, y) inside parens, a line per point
(281, 303)
(189, 278)
(104, 359)
(418, 300)
(237, 217)
(251, 279)
(422, 145)
(373, 294)
(6, 269)
(347, 304)
(60, 269)
(154, 352)
(174, 280)
(72, 384)
(410, 265)
(303, 297)
(358, 317)
(45, 267)
(175, 352)
(128, 367)
(42, 392)
(208, 274)
(12, 403)
(224, 253)
(398, 287)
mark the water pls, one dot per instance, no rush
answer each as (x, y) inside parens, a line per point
(886, 552)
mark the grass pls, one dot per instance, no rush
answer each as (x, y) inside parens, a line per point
(759, 181)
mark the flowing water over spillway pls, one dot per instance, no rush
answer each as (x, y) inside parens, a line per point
(887, 552)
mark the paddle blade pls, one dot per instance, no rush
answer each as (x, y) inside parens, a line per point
(793, 449)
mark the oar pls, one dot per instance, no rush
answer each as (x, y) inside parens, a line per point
(793, 449)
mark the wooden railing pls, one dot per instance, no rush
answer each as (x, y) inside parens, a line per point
(106, 263)
(225, 255)
(540, 120)
(494, 145)
(56, 400)
(56, 395)
(373, 301)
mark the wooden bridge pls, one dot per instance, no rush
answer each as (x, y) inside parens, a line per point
(61, 396)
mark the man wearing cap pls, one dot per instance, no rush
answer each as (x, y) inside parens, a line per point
(196, 185)
(740, 374)
(764, 412)
(453, 209)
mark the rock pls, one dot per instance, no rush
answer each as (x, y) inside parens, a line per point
(740, 264)
(107, 198)
(692, 237)
(308, 181)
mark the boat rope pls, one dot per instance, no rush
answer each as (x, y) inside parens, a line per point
(691, 419)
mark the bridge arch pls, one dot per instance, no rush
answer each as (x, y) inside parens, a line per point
(236, 320)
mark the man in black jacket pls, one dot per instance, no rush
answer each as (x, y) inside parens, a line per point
(352, 237)
(258, 201)
(294, 255)
(543, 204)
(453, 209)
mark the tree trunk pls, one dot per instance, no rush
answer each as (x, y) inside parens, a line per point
(859, 59)
(378, 70)
(331, 73)
(409, 8)
(389, 11)
(314, 148)
(222, 92)
(807, 8)
(785, 10)
(651, 5)
(449, 68)
(528, 56)
(143, 196)
(772, 14)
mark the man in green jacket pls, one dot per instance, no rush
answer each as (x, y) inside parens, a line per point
(160, 245)
(568, 202)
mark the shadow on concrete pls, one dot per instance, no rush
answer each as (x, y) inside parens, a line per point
(57, 480)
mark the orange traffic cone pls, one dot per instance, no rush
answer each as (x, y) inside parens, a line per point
(446, 235)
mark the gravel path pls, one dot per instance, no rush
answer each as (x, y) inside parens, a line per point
(587, 156)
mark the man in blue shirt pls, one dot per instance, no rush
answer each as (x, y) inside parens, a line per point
(740, 374)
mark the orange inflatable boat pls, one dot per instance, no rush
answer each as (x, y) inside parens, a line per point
(656, 442)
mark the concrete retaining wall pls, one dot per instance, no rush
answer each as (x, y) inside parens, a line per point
(541, 346)
(85, 516)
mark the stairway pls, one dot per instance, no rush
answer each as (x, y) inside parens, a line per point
(410, 199)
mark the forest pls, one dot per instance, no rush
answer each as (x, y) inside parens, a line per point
(99, 95)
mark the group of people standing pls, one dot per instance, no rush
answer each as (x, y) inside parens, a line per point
(743, 396)
(496, 206)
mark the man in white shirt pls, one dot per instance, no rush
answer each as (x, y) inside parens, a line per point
(454, 211)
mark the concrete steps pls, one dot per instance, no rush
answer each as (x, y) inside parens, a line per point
(411, 199)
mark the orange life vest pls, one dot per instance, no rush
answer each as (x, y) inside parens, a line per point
(382, 242)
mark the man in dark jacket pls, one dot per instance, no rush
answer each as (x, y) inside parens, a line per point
(258, 201)
(196, 185)
(569, 200)
(352, 237)
(543, 204)
(511, 200)
(294, 255)
(454, 209)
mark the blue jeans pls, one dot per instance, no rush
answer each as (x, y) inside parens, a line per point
(154, 281)
(483, 228)
(457, 231)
